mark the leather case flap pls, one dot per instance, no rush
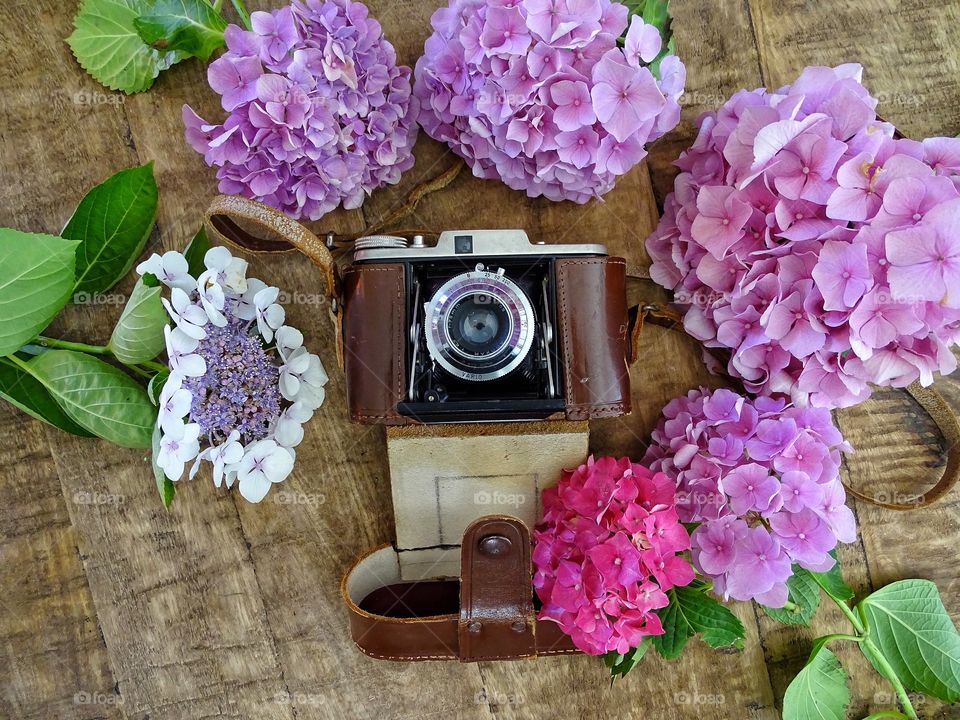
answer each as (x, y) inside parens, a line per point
(592, 315)
(374, 342)
(496, 604)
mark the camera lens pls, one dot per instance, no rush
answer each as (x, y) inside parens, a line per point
(479, 325)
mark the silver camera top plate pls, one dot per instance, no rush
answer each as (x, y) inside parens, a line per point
(467, 244)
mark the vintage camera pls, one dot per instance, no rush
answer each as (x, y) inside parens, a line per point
(483, 326)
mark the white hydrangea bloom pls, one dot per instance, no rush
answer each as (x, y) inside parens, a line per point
(241, 384)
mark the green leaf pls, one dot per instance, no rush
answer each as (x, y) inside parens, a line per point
(195, 251)
(155, 386)
(620, 665)
(191, 27)
(692, 611)
(908, 623)
(108, 47)
(832, 581)
(138, 336)
(101, 398)
(804, 593)
(27, 393)
(36, 279)
(112, 223)
(819, 691)
(165, 485)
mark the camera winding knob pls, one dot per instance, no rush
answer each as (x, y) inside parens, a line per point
(373, 242)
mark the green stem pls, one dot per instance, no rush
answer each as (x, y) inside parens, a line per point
(140, 371)
(217, 5)
(854, 620)
(155, 366)
(887, 714)
(880, 662)
(842, 636)
(242, 12)
(891, 675)
(68, 345)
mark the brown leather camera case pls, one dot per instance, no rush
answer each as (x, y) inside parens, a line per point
(592, 331)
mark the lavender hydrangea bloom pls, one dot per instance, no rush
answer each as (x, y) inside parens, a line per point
(241, 384)
(762, 480)
(538, 94)
(320, 114)
(813, 243)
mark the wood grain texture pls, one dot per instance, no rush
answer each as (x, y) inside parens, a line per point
(218, 608)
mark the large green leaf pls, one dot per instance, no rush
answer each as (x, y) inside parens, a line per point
(692, 611)
(165, 485)
(112, 223)
(191, 27)
(99, 397)
(108, 47)
(36, 279)
(908, 623)
(138, 336)
(819, 691)
(804, 593)
(27, 393)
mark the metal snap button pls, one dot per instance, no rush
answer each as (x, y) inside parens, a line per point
(494, 545)
(473, 627)
(519, 626)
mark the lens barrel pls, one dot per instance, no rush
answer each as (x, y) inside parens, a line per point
(479, 325)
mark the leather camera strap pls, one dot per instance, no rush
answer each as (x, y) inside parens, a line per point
(395, 620)
(260, 229)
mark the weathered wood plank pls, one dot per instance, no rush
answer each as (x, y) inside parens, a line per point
(55, 662)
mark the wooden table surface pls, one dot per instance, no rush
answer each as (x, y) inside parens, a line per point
(112, 607)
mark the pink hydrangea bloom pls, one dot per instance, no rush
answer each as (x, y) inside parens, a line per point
(320, 114)
(607, 551)
(822, 251)
(761, 479)
(538, 93)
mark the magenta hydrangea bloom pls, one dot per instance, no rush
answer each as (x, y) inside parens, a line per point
(320, 114)
(607, 551)
(538, 93)
(813, 244)
(762, 480)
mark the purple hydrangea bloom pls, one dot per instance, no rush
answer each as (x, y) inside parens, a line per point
(779, 502)
(538, 93)
(320, 114)
(816, 246)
